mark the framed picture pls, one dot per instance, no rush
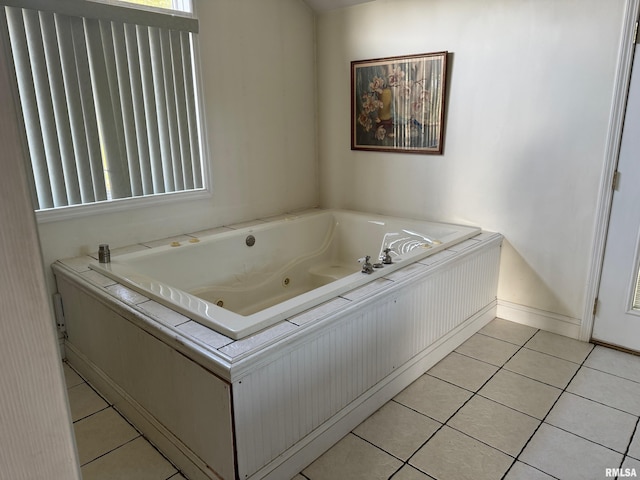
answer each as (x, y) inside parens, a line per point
(397, 103)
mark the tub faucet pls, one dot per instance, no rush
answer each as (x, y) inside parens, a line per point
(386, 258)
(366, 265)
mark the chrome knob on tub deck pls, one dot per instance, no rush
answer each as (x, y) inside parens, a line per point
(386, 258)
(104, 254)
(366, 265)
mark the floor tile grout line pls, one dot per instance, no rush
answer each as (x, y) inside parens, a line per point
(493, 365)
(390, 477)
(484, 361)
(446, 381)
(92, 414)
(556, 356)
(112, 406)
(536, 379)
(416, 411)
(514, 323)
(499, 368)
(612, 374)
(179, 472)
(548, 412)
(532, 466)
(474, 393)
(553, 356)
(115, 409)
(477, 392)
(603, 404)
(112, 450)
(406, 462)
(584, 438)
(509, 406)
(140, 436)
(481, 441)
(95, 390)
(626, 452)
(377, 446)
(503, 340)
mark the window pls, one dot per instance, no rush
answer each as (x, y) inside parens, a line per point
(177, 6)
(109, 99)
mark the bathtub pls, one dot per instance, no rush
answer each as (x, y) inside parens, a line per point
(265, 406)
(242, 281)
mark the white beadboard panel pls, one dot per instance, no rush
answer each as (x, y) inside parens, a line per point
(277, 404)
(193, 404)
(306, 451)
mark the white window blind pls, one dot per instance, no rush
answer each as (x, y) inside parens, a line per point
(109, 100)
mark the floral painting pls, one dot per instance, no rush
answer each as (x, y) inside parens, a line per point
(397, 103)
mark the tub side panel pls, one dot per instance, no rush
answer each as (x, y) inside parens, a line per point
(305, 385)
(189, 401)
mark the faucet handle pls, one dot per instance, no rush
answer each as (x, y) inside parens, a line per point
(366, 265)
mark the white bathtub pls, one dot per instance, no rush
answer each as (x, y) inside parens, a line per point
(264, 407)
(295, 263)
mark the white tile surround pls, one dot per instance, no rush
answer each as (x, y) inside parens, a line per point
(530, 429)
(225, 345)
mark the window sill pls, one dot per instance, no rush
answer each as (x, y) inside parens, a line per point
(118, 205)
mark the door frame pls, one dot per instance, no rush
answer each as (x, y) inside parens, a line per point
(612, 152)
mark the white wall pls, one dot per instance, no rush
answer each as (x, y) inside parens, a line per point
(530, 91)
(531, 86)
(258, 83)
(36, 435)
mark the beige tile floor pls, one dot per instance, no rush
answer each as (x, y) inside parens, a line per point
(511, 403)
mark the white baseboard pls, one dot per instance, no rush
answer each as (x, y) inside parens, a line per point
(533, 317)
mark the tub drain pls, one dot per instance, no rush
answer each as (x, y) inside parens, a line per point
(286, 281)
(220, 303)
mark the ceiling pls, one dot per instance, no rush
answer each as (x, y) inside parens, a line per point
(323, 5)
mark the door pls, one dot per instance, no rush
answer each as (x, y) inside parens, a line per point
(617, 319)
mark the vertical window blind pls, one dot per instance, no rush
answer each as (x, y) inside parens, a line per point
(109, 100)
